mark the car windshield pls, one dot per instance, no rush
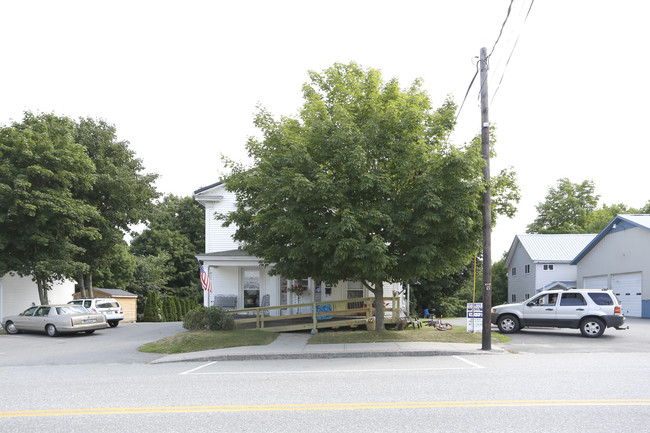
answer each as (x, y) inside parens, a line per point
(29, 311)
(71, 309)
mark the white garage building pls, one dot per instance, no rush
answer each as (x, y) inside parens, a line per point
(618, 258)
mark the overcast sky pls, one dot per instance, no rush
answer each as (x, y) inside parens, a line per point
(181, 79)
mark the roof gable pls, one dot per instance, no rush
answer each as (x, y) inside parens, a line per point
(556, 248)
(619, 223)
(211, 193)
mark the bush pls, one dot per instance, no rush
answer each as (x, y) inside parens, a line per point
(152, 309)
(211, 318)
(196, 320)
(220, 320)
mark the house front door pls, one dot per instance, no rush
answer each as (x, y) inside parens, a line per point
(251, 287)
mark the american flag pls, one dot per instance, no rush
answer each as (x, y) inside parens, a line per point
(205, 280)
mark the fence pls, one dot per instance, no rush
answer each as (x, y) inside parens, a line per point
(341, 313)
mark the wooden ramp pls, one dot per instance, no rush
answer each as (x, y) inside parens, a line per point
(315, 315)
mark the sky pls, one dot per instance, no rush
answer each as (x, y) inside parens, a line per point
(181, 80)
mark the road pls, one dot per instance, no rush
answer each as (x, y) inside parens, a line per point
(537, 392)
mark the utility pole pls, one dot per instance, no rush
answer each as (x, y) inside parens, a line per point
(487, 207)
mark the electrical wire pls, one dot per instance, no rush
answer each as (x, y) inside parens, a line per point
(467, 93)
(502, 27)
(511, 52)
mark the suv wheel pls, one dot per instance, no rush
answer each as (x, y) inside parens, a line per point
(592, 327)
(113, 323)
(508, 324)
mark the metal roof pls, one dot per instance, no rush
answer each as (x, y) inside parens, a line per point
(557, 248)
(619, 223)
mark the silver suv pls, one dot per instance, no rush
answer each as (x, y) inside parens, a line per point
(589, 310)
(109, 307)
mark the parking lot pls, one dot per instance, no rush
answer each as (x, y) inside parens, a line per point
(110, 345)
(636, 339)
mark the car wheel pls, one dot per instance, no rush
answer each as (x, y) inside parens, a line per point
(11, 328)
(90, 331)
(113, 323)
(592, 327)
(51, 330)
(508, 324)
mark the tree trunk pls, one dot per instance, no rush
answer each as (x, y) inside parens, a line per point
(90, 284)
(379, 306)
(378, 291)
(42, 292)
(82, 285)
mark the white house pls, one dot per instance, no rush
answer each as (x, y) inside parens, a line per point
(238, 277)
(539, 262)
(18, 293)
(618, 258)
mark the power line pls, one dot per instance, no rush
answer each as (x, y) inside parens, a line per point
(467, 93)
(505, 21)
(502, 27)
(511, 52)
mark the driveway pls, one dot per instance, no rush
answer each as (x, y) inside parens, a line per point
(111, 345)
(553, 340)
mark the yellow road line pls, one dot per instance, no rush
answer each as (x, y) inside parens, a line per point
(322, 407)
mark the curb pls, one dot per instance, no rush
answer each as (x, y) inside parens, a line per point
(322, 355)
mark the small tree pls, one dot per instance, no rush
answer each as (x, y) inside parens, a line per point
(153, 307)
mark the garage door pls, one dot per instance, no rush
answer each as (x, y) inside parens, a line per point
(627, 288)
(596, 282)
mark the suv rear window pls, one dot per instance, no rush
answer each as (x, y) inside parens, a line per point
(601, 298)
(107, 304)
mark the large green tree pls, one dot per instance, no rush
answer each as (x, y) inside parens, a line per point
(177, 229)
(565, 208)
(122, 193)
(363, 185)
(571, 208)
(43, 175)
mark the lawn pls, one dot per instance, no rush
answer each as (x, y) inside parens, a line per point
(427, 333)
(194, 341)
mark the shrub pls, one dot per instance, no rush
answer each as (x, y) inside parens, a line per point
(152, 309)
(219, 319)
(196, 320)
(211, 318)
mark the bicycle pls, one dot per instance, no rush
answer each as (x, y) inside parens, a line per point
(439, 324)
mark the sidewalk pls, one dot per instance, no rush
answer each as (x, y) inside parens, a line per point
(294, 346)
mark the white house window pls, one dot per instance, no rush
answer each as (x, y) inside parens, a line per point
(514, 271)
(526, 269)
(514, 298)
(548, 267)
(252, 284)
(355, 290)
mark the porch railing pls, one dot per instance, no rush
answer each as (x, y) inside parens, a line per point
(340, 314)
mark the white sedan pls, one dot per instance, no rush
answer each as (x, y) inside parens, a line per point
(55, 319)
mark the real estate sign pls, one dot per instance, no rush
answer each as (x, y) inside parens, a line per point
(475, 317)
